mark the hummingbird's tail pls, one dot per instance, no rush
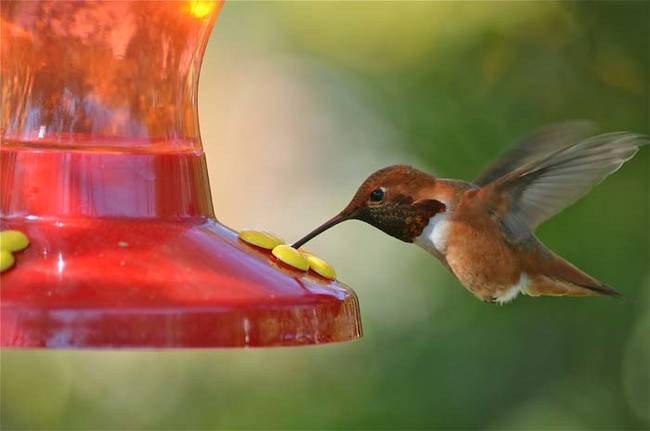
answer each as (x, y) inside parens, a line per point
(544, 286)
(557, 277)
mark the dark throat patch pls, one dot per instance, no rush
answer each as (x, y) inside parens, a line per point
(402, 218)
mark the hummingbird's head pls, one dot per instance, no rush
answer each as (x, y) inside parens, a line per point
(393, 200)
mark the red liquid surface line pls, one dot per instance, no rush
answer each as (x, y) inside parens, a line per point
(96, 143)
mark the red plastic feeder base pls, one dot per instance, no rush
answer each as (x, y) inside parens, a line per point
(157, 284)
(174, 280)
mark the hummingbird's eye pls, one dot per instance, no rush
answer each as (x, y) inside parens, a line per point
(377, 195)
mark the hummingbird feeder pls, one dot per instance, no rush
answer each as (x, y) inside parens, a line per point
(102, 168)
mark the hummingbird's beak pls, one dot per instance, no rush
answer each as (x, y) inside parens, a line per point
(341, 217)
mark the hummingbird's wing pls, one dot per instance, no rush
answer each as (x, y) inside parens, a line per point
(540, 189)
(539, 144)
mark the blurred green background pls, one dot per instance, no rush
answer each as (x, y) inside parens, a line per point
(299, 102)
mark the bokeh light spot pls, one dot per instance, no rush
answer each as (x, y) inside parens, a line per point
(201, 9)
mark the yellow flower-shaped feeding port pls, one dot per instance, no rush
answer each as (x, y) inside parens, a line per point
(319, 266)
(6, 260)
(291, 256)
(302, 259)
(11, 241)
(260, 239)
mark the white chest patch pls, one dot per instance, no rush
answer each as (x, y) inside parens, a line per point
(512, 293)
(434, 236)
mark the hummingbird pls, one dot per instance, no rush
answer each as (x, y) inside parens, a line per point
(483, 231)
